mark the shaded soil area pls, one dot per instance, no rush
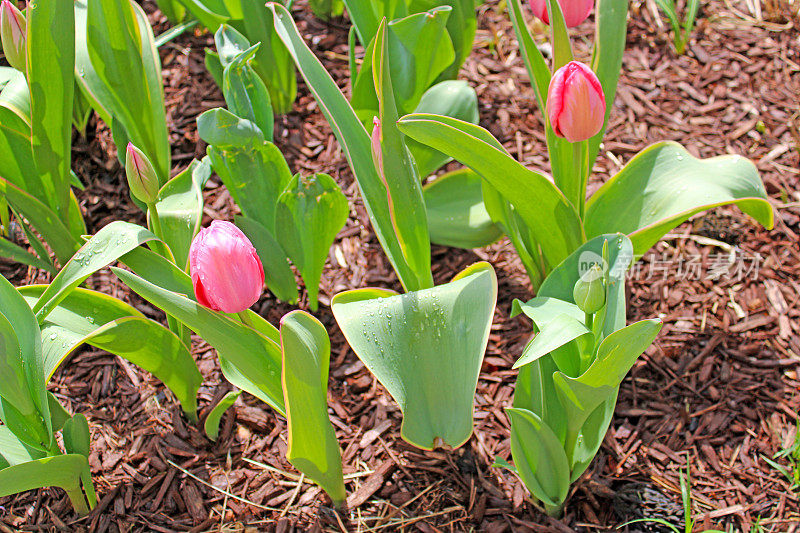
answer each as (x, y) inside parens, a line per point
(719, 390)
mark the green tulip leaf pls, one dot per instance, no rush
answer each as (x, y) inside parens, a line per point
(13, 451)
(180, 209)
(417, 50)
(539, 457)
(70, 472)
(313, 448)
(397, 171)
(451, 98)
(426, 348)
(456, 214)
(553, 335)
(105, 247)
(550, 217)
(211, 425)
(246, 94)
(76, 435)
(109, 324)
(663, 185)
(277, 271)
(50, 60)
(310, 213)
(249, 352)
(124, 58)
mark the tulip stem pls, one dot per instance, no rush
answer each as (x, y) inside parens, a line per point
(581, 154)
(589, 320)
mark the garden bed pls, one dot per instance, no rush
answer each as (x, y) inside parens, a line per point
(719, 389)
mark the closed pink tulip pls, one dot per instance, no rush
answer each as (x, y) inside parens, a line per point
(575, 11)
(13, 35)
(226, 272)
(576, 105)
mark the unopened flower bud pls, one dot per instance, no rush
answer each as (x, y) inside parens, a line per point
(576, 105)
(142, 178)
(227, 274)
(574, 11)
(13, 35)
(590, 291)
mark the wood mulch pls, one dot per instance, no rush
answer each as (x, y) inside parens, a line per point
(718, 391)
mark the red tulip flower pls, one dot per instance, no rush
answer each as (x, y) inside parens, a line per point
(576, 105)
(574, 11)
(226, 272)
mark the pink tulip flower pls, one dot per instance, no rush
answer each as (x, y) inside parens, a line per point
(575, 11)
(226, 272)
(576, 105)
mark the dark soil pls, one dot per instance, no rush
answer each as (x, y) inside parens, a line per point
(719, 390)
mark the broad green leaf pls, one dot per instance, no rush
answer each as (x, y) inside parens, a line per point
(13, 383)
(313, 448)
(253, 354)
(46, 221)
(58, 414)
(615, 356)
(13, 451)
(272, 62)
(76, 435)
(366, 15)
(547, 213)
(158, 270)
(417, 49)
(246, 94)
(611, 23)
(219, 127)
(539, 457)
(172, 9)
(124, 58)
(51, 56)
(105, 247)
(29, 361)
(663, 185)
(109, 324)
(230, 44)
(562, 47)
(426, 348)
(180, 209)
(277, 272)
(536, 392)
(253, 170)
(456, 213)
(354, 141)
(461, 26)
(397, 171)
(211, 425)
(310, 213)
(70, 472)
(451, 98)
(553, 334)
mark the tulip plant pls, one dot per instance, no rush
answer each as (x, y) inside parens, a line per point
(295, 217)
(249, 17)
(425, 346)
(327, 9)
(275, 365)
(549, 218)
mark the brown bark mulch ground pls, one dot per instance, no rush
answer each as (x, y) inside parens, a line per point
(718, 391)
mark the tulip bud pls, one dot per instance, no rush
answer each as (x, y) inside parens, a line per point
(142, 178)
(590, 291)
(226, 272)
(576, 105)
(13, 35)
(574, 11)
